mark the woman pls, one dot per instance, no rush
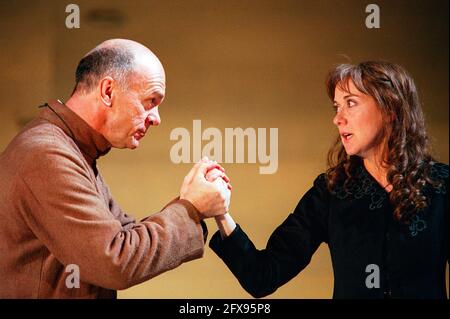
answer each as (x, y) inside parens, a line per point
(381, 205)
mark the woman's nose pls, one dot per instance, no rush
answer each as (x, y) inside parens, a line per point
(339, 119)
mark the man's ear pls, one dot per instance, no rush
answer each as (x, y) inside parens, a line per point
(107, 85)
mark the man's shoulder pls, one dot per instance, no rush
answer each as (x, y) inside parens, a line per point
(39, 135)
(34, 142)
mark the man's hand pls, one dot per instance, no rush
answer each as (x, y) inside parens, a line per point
(210, 198)
(218, 177)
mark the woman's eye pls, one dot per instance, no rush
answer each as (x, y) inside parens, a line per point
(335, 108)
(351, 103)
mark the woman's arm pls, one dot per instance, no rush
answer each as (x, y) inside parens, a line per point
(289, 249)
(226, 225)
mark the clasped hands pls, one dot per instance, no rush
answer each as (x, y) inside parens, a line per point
(208, 188)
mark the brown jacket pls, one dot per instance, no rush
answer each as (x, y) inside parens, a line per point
(56, 210)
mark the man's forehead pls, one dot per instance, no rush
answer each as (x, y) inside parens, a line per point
(149, 82)
(148, 72)
(149, 66)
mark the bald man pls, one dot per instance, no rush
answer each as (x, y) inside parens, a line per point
(62, 235)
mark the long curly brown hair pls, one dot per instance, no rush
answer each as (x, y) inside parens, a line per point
(407, 156)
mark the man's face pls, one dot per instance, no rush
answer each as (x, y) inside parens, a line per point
(135, 108)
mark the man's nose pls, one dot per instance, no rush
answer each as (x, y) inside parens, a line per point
(153, 118)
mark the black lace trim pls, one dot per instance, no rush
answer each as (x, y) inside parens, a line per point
(362, 185)
(417, 224)
(439, 172)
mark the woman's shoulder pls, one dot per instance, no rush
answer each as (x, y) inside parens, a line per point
(321, 181)
(438, 173)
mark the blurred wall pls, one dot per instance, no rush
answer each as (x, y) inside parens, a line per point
(257, 64)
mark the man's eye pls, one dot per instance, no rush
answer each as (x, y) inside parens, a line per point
(149, 104)
(351, 103)
(153, 102)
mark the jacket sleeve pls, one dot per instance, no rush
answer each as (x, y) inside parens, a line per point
(128, 221)
(60, 203)
(288, 250)
(125, 220)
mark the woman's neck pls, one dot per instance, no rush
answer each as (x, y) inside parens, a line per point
(378, 172)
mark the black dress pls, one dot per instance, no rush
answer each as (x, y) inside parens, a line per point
(373, 255)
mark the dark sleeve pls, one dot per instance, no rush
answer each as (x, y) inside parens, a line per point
(288, 251)
(447, 218)
(440, 174)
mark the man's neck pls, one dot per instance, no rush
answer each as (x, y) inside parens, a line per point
(85, 107)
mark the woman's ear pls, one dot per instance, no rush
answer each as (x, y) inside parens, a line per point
(392, 117)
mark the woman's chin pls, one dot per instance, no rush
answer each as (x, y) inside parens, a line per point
(350, 152)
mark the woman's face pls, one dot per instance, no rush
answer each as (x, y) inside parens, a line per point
(359, 121)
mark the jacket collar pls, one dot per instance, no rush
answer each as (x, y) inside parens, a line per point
(91, 143)
(362, 185)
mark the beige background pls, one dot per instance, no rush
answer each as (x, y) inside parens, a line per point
(256, 64)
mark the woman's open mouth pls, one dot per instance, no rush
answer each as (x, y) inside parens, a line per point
(346, 136)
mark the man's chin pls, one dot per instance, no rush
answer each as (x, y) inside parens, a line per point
(133, 143)
(130, 143)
